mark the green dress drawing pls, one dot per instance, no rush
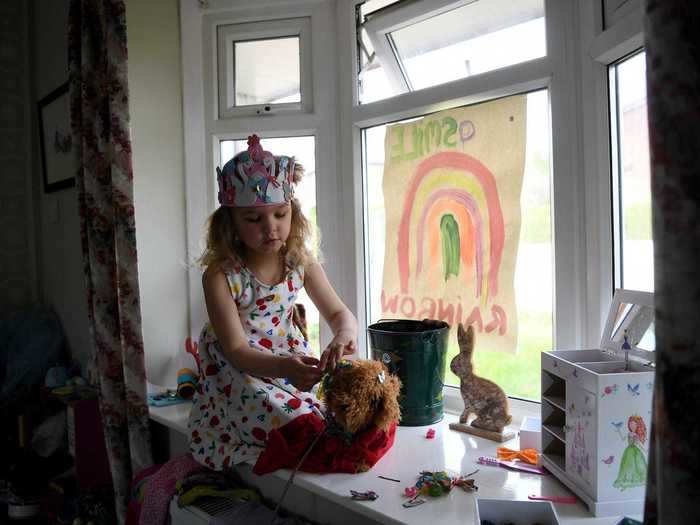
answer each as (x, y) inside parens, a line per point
(633, 466)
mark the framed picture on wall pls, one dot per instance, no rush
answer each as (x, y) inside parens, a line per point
(56, 140)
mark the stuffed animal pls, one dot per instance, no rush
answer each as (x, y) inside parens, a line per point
(481, 396)
(359, 426)
(362, 393)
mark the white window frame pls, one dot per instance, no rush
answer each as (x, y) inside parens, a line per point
(600, 49)
(554, 72)
(574, 71)
(204, 129)
(394, 17)
(230, 34)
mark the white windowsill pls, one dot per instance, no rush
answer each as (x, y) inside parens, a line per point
(452, 451)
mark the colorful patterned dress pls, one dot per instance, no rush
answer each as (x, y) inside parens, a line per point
(232, 411)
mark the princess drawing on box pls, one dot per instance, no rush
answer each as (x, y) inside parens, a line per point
(633, 465)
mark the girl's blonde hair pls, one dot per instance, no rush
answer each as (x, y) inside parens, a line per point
(223, 245)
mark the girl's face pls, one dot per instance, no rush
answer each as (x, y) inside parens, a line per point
(632, 425)
(263, 229)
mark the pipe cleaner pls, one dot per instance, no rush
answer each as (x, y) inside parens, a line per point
(528, 455)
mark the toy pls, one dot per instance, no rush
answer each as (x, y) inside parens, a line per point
(187, 378)
(359, 426)
(596, 410)
(186, 383)
(481, 396)
(359, 394)
(512, 465)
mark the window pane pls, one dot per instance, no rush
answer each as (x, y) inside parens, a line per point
(267, 71)
(634, 253)
(475, 38)
(304, 150)
(517, 373)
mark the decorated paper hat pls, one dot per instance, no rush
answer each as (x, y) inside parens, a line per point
(256, 178)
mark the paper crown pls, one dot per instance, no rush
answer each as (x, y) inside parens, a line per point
(256, 178)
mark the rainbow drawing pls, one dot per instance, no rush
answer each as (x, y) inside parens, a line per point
(455, 185)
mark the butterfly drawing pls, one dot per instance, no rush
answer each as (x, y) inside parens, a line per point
(608, 460)
(634, 390)
(618, 427)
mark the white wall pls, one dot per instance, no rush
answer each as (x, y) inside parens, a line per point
(155, 85)
(156, 130)
(58, 246)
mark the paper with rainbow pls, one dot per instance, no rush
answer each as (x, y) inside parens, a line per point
(453, 219)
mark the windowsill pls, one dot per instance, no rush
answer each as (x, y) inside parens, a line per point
(452, 451)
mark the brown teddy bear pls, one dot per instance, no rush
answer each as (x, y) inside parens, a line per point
(362, 393)
(362, 410)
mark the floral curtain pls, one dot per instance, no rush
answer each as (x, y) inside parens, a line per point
(99, 102)
(673, 90)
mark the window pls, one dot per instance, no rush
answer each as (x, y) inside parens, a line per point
(518, 371)
(257, 78)
(303, 149)
(406, 47)
(263, 67)
(633, 242)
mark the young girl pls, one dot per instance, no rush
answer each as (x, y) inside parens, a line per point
(256, 370)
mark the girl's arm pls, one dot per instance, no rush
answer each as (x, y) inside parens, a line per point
(337, 315)
(223, 316)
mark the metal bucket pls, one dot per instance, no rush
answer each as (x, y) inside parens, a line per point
(416, 352)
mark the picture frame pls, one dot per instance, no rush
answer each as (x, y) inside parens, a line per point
(56, 141)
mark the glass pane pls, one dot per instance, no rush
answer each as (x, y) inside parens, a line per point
(531, 265)
(478, 37)
(631, 175)
(304, 150)
(267, 71)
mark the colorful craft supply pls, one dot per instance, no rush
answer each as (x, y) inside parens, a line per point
(390, 479)
(410, 492)
(370, 495)
(436, 484)
(430, 434)
(528, 455)
(513, 465)
(186, 383)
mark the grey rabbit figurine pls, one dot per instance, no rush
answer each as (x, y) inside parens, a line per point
(481, 396)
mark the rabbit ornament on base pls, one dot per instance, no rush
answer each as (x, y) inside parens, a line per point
(481, 397)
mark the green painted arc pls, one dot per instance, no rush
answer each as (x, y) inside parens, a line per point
(449, 235)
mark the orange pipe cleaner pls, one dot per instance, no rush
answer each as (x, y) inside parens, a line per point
(528, 455)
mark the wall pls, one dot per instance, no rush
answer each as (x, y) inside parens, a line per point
(156, 132)
(18, 283)
(155, 85)
(58, 242)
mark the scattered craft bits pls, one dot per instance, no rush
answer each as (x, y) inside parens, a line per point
(430, 434)
(370, 495)
(413, 502)
(436, 484)
(390, 479)
(528, 455)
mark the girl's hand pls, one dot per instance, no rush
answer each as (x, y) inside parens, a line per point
(302, 371)
(342, 344)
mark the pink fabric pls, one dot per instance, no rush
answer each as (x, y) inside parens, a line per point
(161, 488)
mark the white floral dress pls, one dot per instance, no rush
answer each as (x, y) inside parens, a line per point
(232, 411)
